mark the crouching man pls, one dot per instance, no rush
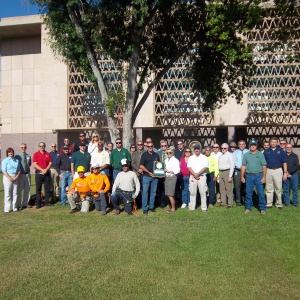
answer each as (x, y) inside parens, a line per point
(126, 187)
(79, 193)
(99, 185)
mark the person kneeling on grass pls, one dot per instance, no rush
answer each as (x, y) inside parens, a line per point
(99, 185)
(79, 193)
(126, 187)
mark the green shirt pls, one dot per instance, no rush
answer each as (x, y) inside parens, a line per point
(254, 162)
(213, 165)
(81, 159)
(116, 156)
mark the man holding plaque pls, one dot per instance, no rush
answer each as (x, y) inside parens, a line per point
(149, 160)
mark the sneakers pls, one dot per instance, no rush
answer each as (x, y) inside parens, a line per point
(145, 212)
(73, 211)
(263, 212)
(170, 211)
(183, 205)
(247, 211)
(210, 206)
(117, 212)
(152, 210)
(103, 212)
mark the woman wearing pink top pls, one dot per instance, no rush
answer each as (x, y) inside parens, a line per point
(186, 175)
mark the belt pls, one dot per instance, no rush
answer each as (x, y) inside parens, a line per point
(66, 171)
(126, 192)
(52, 168)
(237, 169)
(117, 169)
(224, 170)
(275, 168)
(253, 174)
(25, 173)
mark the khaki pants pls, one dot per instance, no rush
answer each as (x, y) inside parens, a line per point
(193, 186)
(225, 188)
(85, 203)
(54, 187)
(274, 183)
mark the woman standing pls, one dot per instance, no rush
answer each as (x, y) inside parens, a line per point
(11, 173)
(93, 145)
(186, 175)
(172, 168)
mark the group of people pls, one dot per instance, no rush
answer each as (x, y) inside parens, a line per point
(87, 175)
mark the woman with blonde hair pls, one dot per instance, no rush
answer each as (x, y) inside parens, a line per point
(93, 145)
(172, 169)
(11, 173)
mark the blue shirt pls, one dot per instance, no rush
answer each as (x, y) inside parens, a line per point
(24, 169)
(54, 156)
(275, 158)
(10, 165)
(238, 157)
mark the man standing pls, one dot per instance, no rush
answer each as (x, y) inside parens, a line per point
(276, 161)
(54, 188)
(266, 145)
(126, 187)
(254, 166)
(149, 182)
(24, 178)
(179, 150)
(216, 153)
(65, 173)
(82, 140)
(42, 164)
(226, 168)
(239, 187)
(198, 165)
(99, 185)
(282, 144)
(70, 147)
(116, 156)
(101, 157)
(161, 181)
(211, 176)
(136, 158)
(232, 147)
(292, 176)
(80, 158)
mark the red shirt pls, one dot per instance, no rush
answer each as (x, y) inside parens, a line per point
(42, 159)
(183, 167)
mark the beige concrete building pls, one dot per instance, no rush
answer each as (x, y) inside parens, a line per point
(44, 100)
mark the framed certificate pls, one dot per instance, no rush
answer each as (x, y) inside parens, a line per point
(158, 169)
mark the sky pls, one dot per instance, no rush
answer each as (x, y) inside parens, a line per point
(14, 8)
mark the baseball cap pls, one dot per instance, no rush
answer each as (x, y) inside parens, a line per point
(232, 144)
(253, 142)
(124, 162)
(197, 146)
(94, 166)
(80, 169)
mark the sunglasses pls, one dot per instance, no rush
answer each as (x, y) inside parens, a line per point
(124, 166)
(282, 143)
(42, 146)
(82, 135)
(95, 136)
(216, 147)
(118, 142)
(23, 147)
(224, 148)
(80, 172)
(150, 146)
(100, 145)
(140, 144)
(53, 146)
(169, 152)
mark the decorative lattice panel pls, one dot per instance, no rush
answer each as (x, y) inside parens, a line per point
(86, 108)
(274, 95)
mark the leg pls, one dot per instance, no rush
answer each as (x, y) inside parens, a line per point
(211, 187)
(237, 186)
(114, 198)
(278, 186)
(127, 200)
(222, 188)
(47, 183)
(260, 193)
(193, 193)
(286, 191)
(146, 186)
(7, 184)
(294, 183)
(249, 192)
(103, 203)
(202, 190)
(21, 182)
(26, 192)
(63, 183)
(15, 196)
(38, 188)
(71, 201)
(185, 191)
(153, 189)
(228, 188)
(269, 188)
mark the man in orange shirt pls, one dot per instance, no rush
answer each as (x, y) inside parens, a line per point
(79, 192)
(99, 185)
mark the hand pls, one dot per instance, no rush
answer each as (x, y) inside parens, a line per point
(230, 179)
(140, 171)
(101, 191)
(243, 180)
(215, 179)
(263, 180)
(151, 174)
(284, 177)
(61, 176)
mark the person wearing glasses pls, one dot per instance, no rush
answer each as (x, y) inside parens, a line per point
(232, 147)
(162, 152)
(11, 173)
(82, 139)
(70, 147)
(172, 169)
(185, 177)
(125, 188)
(282, 144)
(226, 168)
(42, 163)
(54, 188)
(93, 144)
(216, 153)
(116, 156)
(80, 158)
(132, 149)
(24, 180)
(101, 157)
(149, 181)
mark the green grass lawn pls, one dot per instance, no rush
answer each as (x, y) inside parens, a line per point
(222, 254)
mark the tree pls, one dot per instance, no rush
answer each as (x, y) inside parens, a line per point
(148, 37)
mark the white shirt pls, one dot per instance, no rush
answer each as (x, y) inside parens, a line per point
(172, 164)
(226, 162)
(101, 158)
(127, 181)
(197, 163)
(216, 155)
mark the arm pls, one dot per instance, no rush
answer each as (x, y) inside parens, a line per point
(72, 169)
(243, 169)
(284, 166)
(144, 170)
(264, 171)
(137, 186)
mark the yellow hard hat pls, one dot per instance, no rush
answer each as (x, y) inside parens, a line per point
(80, 169)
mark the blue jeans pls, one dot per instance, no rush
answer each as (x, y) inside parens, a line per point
(185, 190)
(65, 181)
(251, 181)
(211, 187)
(291, 183)
(115, 173)
(149, 183)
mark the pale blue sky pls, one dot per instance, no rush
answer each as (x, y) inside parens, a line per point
(14, 8)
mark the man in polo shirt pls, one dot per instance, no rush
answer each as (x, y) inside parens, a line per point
(80, 158)
(54, 188)
(276, 172)
(101, 157)
(292, 176)
(24, 178)
(254, 166)
(239, 187)
(82, 139)
(149, 181)
(116, 156)
(197, 165)
(70, 147)
(226, 168)
(42, 163)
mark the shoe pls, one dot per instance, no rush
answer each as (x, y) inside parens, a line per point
(247, 211)
(145, 212)
(24, 207)
(73, 211)
(152, 210)
(239, 204)
(63, 204)
(229, 206)
(29, 206)
(38, 207)
(49, 204)
(183, 205)
(210, 206)
(268, 207)
(279, 207)
(170, 211)
(103, 212)
(117, 212)
(129, 214)
(221, 204)
(263, 212)
(204, 211)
